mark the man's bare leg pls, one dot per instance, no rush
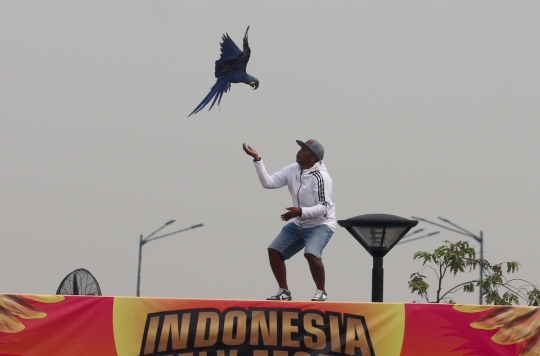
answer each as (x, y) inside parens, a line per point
(277, 263)
(316, 267)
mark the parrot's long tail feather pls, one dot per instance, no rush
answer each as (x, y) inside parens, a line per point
(220, 87)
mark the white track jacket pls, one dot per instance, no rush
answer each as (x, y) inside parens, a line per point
(310, 189)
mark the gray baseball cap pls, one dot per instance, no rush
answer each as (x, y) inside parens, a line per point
(315, 147)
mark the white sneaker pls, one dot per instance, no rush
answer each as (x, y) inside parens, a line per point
(320, 296)
(282, 294)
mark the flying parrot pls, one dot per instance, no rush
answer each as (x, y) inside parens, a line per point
(230, 68)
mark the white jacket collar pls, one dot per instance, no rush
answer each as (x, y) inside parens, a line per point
(318, 166)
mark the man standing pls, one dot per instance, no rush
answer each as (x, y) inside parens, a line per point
(313, 214)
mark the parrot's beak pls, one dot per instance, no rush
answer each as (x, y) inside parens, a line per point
(254, 84)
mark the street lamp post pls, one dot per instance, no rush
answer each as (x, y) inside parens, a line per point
(462, 231)
(378, 233)
(149, 238)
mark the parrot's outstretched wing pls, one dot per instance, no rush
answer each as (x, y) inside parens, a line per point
(220, 87)
(242, 63)
(232, 58)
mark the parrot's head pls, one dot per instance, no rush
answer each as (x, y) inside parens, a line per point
(254, 83)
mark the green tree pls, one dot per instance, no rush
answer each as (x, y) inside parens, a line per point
(459, 257)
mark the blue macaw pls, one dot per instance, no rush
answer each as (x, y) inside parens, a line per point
(230, 68)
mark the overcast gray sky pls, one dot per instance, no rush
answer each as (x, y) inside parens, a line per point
(425, 108)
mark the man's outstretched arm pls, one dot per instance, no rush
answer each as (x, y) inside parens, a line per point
(276, 180)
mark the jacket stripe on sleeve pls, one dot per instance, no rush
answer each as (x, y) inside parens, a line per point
(320, 184)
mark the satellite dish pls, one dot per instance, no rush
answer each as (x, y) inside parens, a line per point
(79, 282)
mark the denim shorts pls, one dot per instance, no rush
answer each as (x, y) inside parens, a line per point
(293, 238)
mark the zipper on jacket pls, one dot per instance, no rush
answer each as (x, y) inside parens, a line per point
(298, 197)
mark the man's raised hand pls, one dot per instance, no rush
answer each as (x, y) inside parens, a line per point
(250, 151)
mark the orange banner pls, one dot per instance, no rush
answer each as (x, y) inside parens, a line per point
(40, 325)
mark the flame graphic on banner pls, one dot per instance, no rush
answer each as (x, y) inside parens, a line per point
(13, 306)
(56, 325)
(516, 325)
